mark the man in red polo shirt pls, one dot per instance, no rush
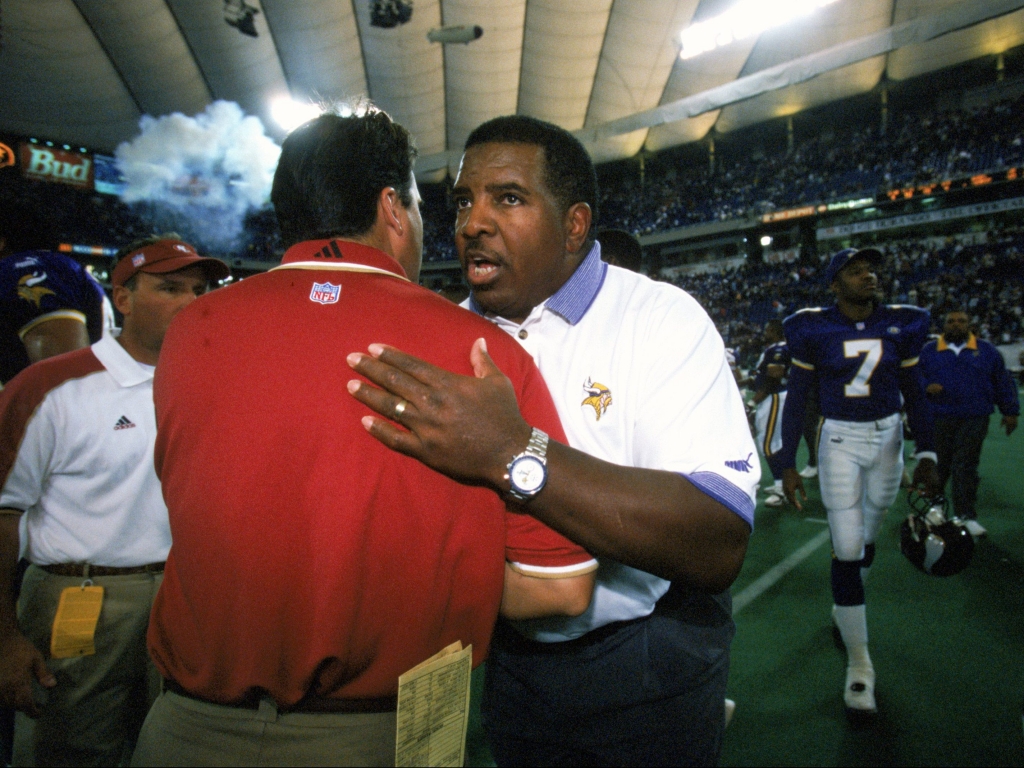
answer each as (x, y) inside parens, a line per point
(311, 566)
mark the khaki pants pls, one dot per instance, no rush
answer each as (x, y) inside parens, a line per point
(184, 731)
(94, 713)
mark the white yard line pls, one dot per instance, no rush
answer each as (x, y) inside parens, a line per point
(772, 577)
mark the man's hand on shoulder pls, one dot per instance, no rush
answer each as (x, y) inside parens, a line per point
(20, 664)
(792, 484)
(465, 427)
(469, 428)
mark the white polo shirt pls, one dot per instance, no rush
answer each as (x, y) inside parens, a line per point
(76, 454)
(639, 376)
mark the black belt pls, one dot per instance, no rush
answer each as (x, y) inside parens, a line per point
(309, 704)
(86, 570)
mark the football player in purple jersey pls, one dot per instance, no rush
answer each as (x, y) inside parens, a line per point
(49, 304)
(861, 356)
(770, 381)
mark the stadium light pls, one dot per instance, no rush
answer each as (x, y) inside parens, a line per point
(290, 114)
(746, 18)
(766, 240)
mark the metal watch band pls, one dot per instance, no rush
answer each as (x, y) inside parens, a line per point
(537, 448)
(538, 445)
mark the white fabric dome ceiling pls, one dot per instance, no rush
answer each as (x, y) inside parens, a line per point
(83, 72)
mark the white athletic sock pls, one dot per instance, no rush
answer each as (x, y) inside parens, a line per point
(853, 626)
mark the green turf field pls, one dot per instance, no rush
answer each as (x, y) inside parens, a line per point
(948, 653)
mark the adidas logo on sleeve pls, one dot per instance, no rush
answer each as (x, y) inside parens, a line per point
(124, 423)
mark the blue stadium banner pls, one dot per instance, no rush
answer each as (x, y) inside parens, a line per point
(925, 217)
(108, 179)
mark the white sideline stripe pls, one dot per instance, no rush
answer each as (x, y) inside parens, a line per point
(822, 520)
(772, 576)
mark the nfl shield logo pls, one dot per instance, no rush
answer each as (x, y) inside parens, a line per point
(325, 293)
(138, 260)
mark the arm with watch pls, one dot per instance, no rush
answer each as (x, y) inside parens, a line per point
(526, 596)
(471, 430)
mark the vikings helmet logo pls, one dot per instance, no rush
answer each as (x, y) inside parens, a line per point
(30, 290)
(599, 397)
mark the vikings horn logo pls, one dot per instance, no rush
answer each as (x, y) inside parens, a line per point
(30, 290)
(599, 397)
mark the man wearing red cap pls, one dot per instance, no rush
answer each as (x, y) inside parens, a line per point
(76, 458)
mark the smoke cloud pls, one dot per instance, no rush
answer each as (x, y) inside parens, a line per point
(199, 176)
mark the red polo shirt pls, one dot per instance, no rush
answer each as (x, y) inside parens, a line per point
(307, 557)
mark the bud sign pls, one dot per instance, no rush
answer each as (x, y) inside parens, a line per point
(51, 164)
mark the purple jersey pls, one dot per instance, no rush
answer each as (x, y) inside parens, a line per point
(39, 284)
(857, 364)
(774, 354)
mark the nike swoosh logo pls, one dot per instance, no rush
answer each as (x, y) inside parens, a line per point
(35, 280)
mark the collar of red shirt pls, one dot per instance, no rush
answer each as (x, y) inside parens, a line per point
(340, 254)
(943, 345)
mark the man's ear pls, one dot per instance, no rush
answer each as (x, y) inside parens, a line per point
(390, 209)
(122, 299)
(577, 226)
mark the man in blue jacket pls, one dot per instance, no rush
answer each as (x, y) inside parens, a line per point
(965, 379)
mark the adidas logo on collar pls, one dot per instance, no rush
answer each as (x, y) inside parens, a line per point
(124, 423)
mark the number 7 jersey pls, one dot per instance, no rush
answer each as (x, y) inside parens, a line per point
(857, 363)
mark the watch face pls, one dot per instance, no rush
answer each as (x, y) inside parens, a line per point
(528, 474)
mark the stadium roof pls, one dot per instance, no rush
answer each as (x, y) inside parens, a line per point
(85, 71)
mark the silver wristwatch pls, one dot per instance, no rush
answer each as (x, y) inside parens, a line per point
(528, 472)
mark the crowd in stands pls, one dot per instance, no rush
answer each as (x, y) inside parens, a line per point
(986, 278)
(77, 216)
(845, 162)
(849, 160)
(438, 219)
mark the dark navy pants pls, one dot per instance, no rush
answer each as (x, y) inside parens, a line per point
(958, 445)
(646, 692)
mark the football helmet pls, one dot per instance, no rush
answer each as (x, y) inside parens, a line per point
(934, 542)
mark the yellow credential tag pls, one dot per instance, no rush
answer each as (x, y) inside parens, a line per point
(74, 626)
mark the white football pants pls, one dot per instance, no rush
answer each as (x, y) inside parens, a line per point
(768, 423)
(860, 466)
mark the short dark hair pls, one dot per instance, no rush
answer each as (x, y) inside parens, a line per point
(621, 248)
(24, 228)
(568, 170)
(332, 170)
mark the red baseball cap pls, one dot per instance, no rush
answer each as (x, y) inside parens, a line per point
(165, 256)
